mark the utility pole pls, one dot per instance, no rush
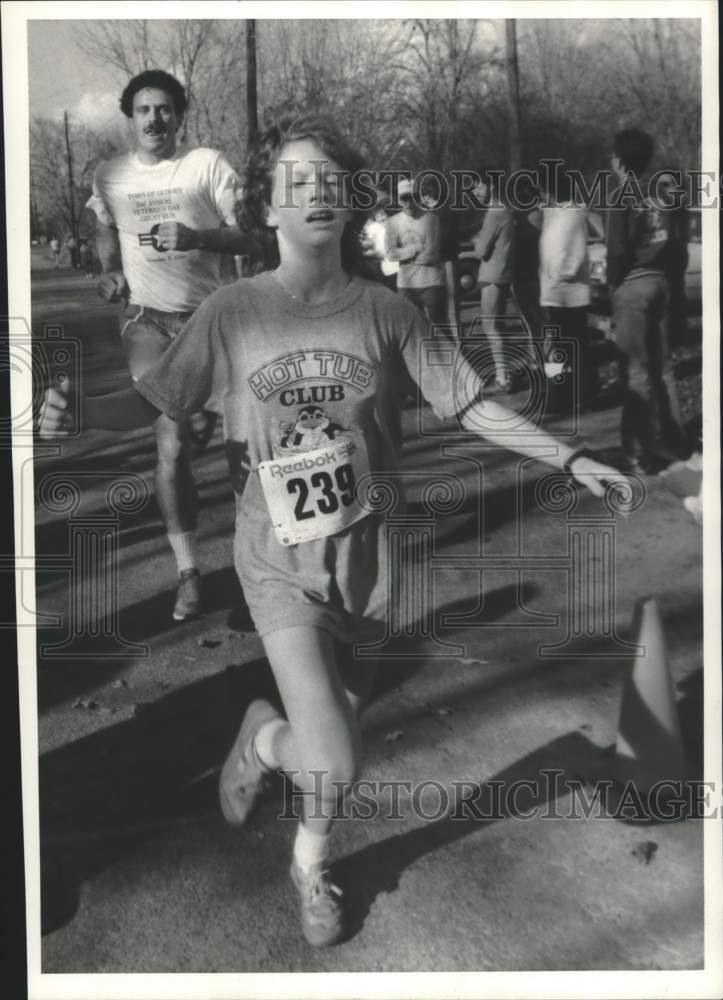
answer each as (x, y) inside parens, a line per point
(71, 195)
(34, 217)
(252, 114)
(513, 94)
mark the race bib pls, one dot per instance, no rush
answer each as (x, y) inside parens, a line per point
(312, 494)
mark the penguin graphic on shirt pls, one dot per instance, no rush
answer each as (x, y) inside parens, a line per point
(312, 429)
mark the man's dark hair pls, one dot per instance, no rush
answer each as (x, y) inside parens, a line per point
(159, 80)
(634, 149)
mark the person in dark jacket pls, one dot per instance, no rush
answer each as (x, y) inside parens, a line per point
(642, 250)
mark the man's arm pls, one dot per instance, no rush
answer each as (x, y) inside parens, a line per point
(429, 251)
(112, 284)
(395, 249)
(228, 239)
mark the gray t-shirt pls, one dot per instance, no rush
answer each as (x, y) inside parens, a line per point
(291, 380)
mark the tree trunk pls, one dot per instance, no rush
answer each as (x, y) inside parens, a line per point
(71, 194)
(251, 101)
(513, 94)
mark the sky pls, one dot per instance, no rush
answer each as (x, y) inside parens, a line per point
(63, 78)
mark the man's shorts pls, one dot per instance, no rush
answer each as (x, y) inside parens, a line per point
(145, 335)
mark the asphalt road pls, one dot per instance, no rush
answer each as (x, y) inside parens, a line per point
(498, 683)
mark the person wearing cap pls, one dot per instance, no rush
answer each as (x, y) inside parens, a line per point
(412, 238)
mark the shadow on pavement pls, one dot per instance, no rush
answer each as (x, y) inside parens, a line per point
(377, 869)
(63, 676)
(103, 795)
(106, 794)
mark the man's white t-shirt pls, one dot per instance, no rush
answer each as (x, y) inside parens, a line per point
(198, 188)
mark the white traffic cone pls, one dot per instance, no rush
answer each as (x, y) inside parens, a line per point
(649, 746)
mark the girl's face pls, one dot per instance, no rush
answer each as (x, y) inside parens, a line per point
(307, 195)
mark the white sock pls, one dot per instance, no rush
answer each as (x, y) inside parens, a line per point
(311, 850)
(264, 743)
(182, 546)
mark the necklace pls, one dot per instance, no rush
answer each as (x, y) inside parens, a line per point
(297, 298)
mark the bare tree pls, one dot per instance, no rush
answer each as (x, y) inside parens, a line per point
(49, 166)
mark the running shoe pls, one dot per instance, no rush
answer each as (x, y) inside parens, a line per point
(243, 775)
(322, 917)
(189, 603)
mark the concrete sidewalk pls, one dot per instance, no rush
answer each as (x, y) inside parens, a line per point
(142, 875)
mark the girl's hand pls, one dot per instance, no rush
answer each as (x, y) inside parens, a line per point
(597, 477)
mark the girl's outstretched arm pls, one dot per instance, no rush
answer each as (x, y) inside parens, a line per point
(125, 410)
(486, 416)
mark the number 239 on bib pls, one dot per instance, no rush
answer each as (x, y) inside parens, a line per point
(312, 494)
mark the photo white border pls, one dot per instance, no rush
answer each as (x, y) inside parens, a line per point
(692, 983)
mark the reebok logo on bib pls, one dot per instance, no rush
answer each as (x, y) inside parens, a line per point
(312, 494)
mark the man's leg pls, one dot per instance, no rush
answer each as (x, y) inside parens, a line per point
(433, 303)
(144, 343)
(670, 438)
(527, 298)
(493, 300)
(412, 295)
(630, 320)
(649, 428)
(452, 296)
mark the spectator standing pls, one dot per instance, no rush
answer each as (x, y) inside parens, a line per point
(525, 269)
(85, 258)
(374, 237)
(72, 245)
(55, 250)
(412, 239)
(643, 249)
(494, 245)
(432, 198)
(672, 194)
(565, 282)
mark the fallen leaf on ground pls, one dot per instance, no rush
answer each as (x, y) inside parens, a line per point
(396, 734)
(87, 703)
(122, 683)
(209, 643)
(467, 661)
(586, 727)
(645, 851)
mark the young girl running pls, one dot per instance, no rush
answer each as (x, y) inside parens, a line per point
(304, 362)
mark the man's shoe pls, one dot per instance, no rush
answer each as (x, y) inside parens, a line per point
(322, 917)
(243, 773)
(188, 599)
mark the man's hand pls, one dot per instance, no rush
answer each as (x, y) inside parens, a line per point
(176, 236)
(113, 286)
(56, 417)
